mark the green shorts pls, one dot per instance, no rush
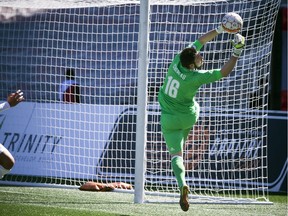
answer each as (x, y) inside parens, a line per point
(176, 128)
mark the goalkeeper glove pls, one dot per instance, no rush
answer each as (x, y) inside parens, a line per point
(220, 29)
(238, 45)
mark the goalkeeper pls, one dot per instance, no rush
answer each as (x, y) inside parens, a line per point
(179, 109)
(6, 159)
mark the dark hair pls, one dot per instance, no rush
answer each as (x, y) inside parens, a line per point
(70, 73)
(187, 56)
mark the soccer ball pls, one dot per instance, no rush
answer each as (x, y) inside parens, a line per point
(232, 23)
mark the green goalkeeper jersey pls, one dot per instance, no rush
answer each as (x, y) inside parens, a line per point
(177, 94)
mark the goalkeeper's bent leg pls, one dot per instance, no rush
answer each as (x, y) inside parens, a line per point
(179, 170)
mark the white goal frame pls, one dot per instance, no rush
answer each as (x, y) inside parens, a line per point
(216, 162)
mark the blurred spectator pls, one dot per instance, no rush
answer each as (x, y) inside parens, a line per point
(69, 91)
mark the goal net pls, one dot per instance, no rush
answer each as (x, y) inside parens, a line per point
(93, 138)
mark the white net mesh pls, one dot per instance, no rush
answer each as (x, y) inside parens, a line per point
(68, 144)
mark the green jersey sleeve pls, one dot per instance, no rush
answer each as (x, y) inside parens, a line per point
(205, 77)
(196, 44)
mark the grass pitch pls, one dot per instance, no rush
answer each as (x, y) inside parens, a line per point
(38, 201)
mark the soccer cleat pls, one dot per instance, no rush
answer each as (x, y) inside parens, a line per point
(184, 200)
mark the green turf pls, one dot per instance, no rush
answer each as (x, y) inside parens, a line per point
(30, 201)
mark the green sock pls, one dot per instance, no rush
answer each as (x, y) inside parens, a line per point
(179, 170)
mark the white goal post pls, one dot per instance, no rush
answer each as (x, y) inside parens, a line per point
(120, 51)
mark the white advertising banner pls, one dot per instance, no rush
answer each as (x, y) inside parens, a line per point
(54, 139)
(84, 141)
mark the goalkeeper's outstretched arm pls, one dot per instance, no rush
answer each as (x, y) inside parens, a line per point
(238, 45)
(210, 35)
